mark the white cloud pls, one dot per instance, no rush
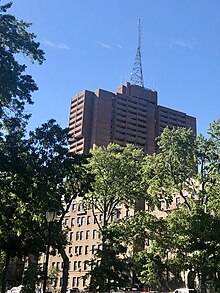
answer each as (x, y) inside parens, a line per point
(58, 46)
(107, 46)
(184, 44)
(119, 46)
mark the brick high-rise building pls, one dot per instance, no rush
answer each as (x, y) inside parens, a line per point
(131, 115)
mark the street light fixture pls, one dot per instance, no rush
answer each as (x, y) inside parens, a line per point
(50, 217)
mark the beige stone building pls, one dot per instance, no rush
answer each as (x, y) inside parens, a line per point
(84, 240)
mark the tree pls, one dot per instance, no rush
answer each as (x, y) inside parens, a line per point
(16, 86)
(19, 227)
(195, 239)
(117, 179)
(60, 179)
(15, 91)
(111, 264)
(149, 260)
(188, 167)
(37, 173)
(171, 170)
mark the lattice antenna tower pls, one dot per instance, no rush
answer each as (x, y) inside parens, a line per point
(137, 73)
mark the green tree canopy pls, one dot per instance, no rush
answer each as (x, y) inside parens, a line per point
(117, 174)
(187, 167)
(117, 179)
(16, 86)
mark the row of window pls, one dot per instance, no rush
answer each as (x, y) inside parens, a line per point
(138, 107)
(76, 117)
(165, 204)
(122, 118)
(81, 235)
(75, 282)
(168, 112)
(131, 132)
(123, 112)
(82, 250)
(136, 100)
(77, 264)
(76, 109)
(77, 102)
(173, 120)
(77, 207)
(80, 221)
(86, 220)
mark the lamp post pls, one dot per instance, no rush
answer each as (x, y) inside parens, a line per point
(50, 217)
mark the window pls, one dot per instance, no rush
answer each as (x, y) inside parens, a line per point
(80, 208)
(80, 250)
(71, 236)
(88, 220)
(75, 265)
(77, 235)
(74, 207)
(76, 250)
(81, 235)
(94, 234)
(53, 264)
(177, 201)
(84, 282)
(167, 204)
(55, 282)
(66, 222)
(82, 220)
(70, 249)
(79, 265)
(74, 282)
(93, 249)
(77, 282)
(86, 265)
(118, 214)
(58, 265)
(87, 234)
(86, 249)
(72, 221)
(100, 217)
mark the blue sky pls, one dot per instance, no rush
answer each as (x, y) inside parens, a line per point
(91, 44)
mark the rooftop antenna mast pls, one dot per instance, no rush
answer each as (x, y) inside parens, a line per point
(137, 74)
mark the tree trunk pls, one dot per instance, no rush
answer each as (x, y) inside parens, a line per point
(65, 265)
(5, 272)
(203, 282)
